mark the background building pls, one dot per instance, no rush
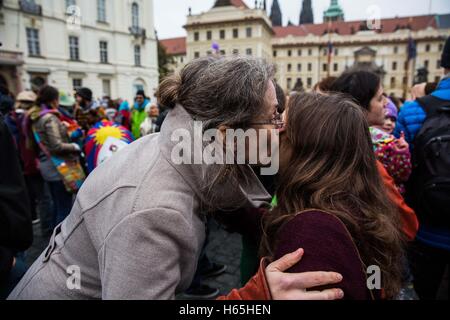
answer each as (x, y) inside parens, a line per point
(229, 29)
(108, 46)
(308, 52)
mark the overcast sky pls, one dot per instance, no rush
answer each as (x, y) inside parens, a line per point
(170, 15)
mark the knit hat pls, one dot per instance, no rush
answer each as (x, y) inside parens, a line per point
(391, 109)
(445, 58)
(26, 96)
(85, 93)
(141, 93)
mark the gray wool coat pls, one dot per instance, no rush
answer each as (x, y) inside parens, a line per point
(137, 226)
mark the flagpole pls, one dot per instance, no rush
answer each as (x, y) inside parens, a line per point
(411, 56)
(406, 67)
(330, 48)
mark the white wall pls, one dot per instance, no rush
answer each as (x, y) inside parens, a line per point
(54, 44)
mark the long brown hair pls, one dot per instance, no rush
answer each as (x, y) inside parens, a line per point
(332, 168)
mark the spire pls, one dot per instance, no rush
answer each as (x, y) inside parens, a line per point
(306, 16)
(334, 12)
(275, 14)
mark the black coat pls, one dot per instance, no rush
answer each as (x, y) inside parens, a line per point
(16, 233)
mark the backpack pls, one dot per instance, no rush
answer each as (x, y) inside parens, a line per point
(429, 185)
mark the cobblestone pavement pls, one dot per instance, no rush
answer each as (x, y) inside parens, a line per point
(225, 248)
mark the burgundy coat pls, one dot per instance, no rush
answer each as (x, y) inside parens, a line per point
(328, 247)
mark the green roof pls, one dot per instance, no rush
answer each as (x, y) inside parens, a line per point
(334, 10)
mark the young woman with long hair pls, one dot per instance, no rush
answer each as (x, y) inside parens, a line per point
(331, 198)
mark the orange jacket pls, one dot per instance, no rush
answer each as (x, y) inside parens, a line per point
(255, 289)
(408, 217)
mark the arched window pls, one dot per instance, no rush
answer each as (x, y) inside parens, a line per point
(135, 15)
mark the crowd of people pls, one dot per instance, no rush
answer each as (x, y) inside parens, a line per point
(364, 181)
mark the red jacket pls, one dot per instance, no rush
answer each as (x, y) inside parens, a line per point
(256, 289)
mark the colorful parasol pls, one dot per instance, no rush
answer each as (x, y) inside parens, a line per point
(103, 140)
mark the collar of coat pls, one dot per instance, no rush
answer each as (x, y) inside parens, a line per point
(225, 195)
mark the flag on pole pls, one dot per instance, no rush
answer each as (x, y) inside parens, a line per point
(330, 51)
(215, 47)
(330, 48)
(412, 49)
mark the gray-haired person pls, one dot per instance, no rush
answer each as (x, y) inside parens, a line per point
(137, 226)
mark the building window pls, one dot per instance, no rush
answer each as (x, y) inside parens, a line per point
(299, 52)
(249, 32)
(426, 64)
(336, 51)
(249, 52)
(34, 48)
(235, 33)
(289, 67)
(37, 81)
(209, 35)
(103, 52)
(196, 54)
(405, 80)
(106, 84)
(441, 46)
(101, 10)
(325, 52)
(309, 52)
(74, 48)
(392, 82)
(222, 34)
(325, 67)
(274, 53)
(137, 55)
(70, 3)
(222, 52)
(394, 65)
(395, 50)
(289, 83)
(135, 15)
(335, 67)
(138, 85)
(196, 36)
(438, 64)
(427, 48)
(235, 51)
(309, 82)
(77, 84)
(309, 66)
(289, 53)
(299, 67)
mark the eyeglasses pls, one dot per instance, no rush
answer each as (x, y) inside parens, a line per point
(276, 121)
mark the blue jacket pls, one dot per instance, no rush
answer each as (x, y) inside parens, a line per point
(410, 121)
